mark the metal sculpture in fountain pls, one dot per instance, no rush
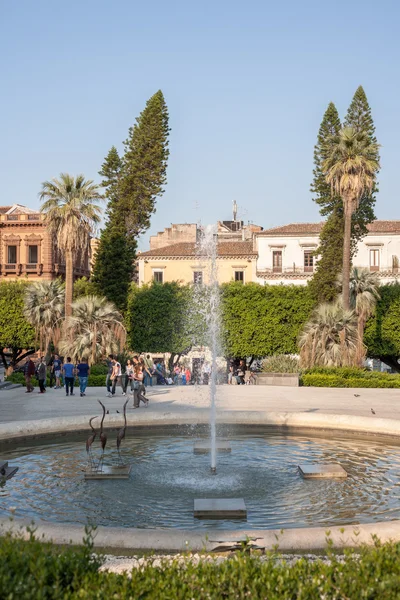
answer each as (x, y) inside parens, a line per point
(89, 442)
(103, 436)
(121, 433)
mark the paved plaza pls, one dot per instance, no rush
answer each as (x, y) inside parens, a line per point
(16, 405)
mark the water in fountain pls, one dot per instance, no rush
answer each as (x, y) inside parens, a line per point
(209, 300)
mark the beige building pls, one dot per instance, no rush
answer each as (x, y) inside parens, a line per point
(236, 261)
(27, 250)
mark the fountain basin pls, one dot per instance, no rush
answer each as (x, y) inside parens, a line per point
(381, 431)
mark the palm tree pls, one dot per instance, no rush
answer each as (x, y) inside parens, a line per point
(71, 217)
(329, 339)
(363, 297)
(350, 169)
(44, 308)
(94, 330)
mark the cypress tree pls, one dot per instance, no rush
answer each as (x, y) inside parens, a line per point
(133, 184)
(330, 249)
(112, 272)
(144, 167)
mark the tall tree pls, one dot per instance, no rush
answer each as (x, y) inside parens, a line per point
(115, 255)
(350, 170)
(133, 185)
(331, 241)
(72, 215)
(144, 168)
(359, 117)
(322, 285)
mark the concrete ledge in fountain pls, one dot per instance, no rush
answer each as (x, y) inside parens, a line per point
(115, 472)
(205, 447)
(287, 379)
(319, 471)
(220, 508)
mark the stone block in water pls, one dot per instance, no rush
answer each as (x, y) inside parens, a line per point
(220, 508)
(322, 471)
(205, 447)
(114, 472)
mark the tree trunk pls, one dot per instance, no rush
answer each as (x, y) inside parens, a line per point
(69, 282)
(346, 256)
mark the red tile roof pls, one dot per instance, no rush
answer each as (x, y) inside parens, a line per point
(188, 249)
(315, 228)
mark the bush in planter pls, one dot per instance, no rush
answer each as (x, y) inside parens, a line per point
(281, 363)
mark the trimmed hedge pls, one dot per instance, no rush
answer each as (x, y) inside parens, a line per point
(35, 571)
(347, 377)
(93, 381)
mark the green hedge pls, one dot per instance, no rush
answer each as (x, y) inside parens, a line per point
(348, 378)
(94, 380)
(35, 571)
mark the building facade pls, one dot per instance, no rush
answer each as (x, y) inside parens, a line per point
(28, 251)
(236, 261)
(286, 254)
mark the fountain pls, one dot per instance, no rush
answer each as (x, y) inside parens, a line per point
(208, 249)
(213, 508)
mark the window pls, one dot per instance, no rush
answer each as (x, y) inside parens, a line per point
(12, 255)
(277, 261)
(198, 277)
(374, 260)
(239, 276)
(33, 255)
(158, 276)
(308, 261)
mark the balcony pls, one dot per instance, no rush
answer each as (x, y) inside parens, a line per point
(294, 270)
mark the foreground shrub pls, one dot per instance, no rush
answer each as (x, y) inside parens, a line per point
(32, 571)
(281, 363)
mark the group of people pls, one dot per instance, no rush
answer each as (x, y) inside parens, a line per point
(59, 371)
(137, 373)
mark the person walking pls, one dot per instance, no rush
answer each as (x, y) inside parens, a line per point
(110, 367)
(128, 377)
(149, 370)
(69, 377)
(240, 373)
(83, 371)
(56, 370)
(51, 370)
(116, 376)
(138, 386)
(41, 374)
(29, 371)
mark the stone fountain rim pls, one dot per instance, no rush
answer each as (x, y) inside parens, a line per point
(176, 540)
(15, 431)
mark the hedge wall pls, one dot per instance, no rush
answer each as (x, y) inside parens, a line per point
(93, 381)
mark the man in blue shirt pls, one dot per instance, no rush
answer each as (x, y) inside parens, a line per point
(69, 376)
(83, 374)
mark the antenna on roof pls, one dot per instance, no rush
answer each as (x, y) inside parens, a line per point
(234, 210)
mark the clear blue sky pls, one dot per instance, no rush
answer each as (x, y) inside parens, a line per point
(246, 84)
